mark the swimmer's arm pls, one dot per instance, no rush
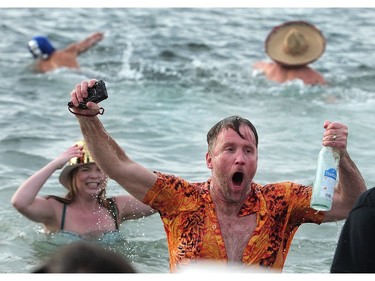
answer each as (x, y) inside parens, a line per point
(84, 45)
(25, 199)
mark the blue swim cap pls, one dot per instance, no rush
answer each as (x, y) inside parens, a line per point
(40, 47)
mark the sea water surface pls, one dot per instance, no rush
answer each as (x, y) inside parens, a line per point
(171, 74)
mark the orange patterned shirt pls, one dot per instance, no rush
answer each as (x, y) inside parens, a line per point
(192, 226)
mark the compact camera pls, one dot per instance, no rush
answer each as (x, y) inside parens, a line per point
(96, 94)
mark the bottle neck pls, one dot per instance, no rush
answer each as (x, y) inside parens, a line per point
(332, 151)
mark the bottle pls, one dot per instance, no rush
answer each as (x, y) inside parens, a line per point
(325, 179)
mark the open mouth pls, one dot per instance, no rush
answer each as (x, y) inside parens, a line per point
(237, 178)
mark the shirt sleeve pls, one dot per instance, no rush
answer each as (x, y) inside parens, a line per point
(171, 194)
(300, 197)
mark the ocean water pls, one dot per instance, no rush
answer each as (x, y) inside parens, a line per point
(171, 74)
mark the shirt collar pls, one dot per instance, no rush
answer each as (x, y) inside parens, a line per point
(254, 202)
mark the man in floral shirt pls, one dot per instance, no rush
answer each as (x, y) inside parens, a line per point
(228, 218)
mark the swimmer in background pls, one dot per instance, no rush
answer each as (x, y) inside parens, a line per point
(292, 46)
(84, 211)
(48, 58)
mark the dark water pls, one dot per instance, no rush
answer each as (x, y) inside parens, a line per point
(171, 74)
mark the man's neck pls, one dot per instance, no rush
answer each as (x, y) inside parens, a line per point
(222, 205)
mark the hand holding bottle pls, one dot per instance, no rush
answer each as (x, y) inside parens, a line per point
(335, 135)
(326, 177)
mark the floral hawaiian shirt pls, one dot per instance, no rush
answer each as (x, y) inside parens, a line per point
(193, 231)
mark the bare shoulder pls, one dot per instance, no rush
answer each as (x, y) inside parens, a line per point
(54, 204)
(260, 65)
(311, 76)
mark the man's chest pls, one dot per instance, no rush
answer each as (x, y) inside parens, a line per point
(236, 233)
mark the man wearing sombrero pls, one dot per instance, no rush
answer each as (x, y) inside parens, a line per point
(292, 46)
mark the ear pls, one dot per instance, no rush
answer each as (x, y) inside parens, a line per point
(208, 160)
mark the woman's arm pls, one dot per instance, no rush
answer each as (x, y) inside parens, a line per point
(25, 199)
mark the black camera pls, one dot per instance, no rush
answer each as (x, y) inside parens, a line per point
(96, 94)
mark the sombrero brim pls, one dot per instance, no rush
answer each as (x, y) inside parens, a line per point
(313, 36)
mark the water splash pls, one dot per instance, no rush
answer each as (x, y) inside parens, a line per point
(126, 71)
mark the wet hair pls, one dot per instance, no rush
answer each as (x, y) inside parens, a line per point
(85, 257)
(231, 122)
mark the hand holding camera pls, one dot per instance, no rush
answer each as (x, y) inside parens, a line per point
(96, 93)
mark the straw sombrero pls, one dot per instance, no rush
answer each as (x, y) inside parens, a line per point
(295, 43)
(74, 163)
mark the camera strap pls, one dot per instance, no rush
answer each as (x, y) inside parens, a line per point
(100, 112)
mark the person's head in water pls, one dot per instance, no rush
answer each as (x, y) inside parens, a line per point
(40, 47)
(295, 43)
(85, 257)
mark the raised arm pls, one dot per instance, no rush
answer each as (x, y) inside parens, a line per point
(108, 155)
(351, 183)
(131, 208)
(84, 45)
(25, 199)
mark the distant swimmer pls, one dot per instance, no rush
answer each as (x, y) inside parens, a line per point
(48, 58)
(292, 46)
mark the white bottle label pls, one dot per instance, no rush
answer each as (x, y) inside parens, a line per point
(328, 183)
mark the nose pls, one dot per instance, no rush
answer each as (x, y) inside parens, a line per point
(96, 174)
(240, 158)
